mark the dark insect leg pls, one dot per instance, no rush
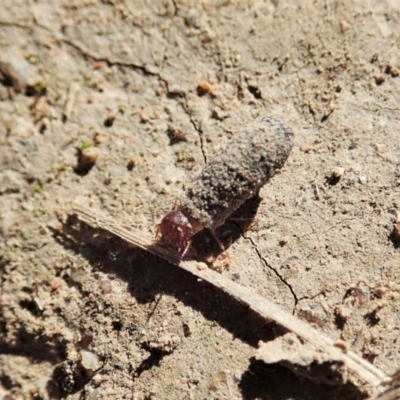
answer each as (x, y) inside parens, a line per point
(187, 247)
(224, 254)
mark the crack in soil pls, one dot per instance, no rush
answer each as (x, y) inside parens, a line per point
(273, 270)
(88, 55)
(85, 53)
(196, 127)
(109, 62)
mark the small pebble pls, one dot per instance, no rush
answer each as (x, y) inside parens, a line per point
(89, 156)
(56, 284)
(392, 70)
(189, 328)
(99, 137)
(306, 148)
(109, 121)
(90, 361)
(379, 79)
(341, 344)
(105, 286)
(363, 179)
(144, 115)
(193, 18)
(343, 312)
(237, 377)
(201, 266)
(283, 241)
(96, 394)
(220, 377)
(78, 275)
(203, 87)
(87, 338)
(337, 172)
(131, 163)
(15, 72)
(380, 292)
(166, 343)
(97, 65)
(175, 135)
(212, 388)
(343, 25)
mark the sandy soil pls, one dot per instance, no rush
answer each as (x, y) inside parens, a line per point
(117, 105)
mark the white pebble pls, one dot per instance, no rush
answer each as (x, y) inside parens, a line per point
(90, 360)
(337, 172)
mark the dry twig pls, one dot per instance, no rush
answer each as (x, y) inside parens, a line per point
(264, 307)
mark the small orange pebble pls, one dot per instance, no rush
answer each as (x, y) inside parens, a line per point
(203, 87)
(56, 284)
(97, 65)
(342, 345)
(201, 266)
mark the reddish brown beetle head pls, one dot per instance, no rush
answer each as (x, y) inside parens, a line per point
(177, 227)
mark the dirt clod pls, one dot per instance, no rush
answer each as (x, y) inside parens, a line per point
(165, 343)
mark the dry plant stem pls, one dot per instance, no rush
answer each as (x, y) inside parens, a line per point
(391, 395)
(264, 307)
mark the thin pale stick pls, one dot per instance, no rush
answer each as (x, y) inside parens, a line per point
(390, 395)
(264, 307)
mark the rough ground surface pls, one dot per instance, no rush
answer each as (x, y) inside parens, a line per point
(122, 77)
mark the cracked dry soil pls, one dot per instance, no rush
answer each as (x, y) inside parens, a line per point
(117, 105)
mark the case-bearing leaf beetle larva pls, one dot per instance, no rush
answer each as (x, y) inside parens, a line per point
(233, 175)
